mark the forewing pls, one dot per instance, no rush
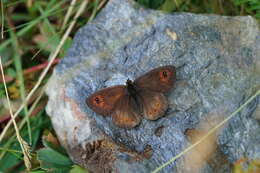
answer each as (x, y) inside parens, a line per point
(159, 79)
(154, 104)
(126, 113)
(104, 101)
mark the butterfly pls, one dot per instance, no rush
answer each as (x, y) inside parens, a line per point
(143, 97)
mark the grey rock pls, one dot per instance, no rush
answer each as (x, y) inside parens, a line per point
(218, 69)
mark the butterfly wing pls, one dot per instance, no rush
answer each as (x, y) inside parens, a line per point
(154, 104)
(159, 79)
(126, 113)
(104, 101)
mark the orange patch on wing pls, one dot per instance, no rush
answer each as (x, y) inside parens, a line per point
(99, 101)
(165, 75)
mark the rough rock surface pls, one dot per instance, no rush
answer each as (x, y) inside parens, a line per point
(218, 68)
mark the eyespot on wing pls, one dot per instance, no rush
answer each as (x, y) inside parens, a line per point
(160, 79)
(104, 100)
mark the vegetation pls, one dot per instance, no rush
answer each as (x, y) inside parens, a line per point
(35, 35)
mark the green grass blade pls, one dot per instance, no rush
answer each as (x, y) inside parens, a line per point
(31, 24)
(19, 72)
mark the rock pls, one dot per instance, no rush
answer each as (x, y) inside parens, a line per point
(217, 60)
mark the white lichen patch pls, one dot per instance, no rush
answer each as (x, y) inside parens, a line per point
(68, 121)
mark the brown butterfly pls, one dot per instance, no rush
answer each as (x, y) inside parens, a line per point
(141, 97)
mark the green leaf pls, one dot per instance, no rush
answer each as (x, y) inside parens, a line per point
(8, 161)
(11, 72)
(57, 148)
(11, 158)
(257, 15)
(169, 5)
(51, 159)
(154, 4)
(78, 169)
(36, 171)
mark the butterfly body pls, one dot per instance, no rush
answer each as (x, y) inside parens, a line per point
(143, 97)
(131, 88)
